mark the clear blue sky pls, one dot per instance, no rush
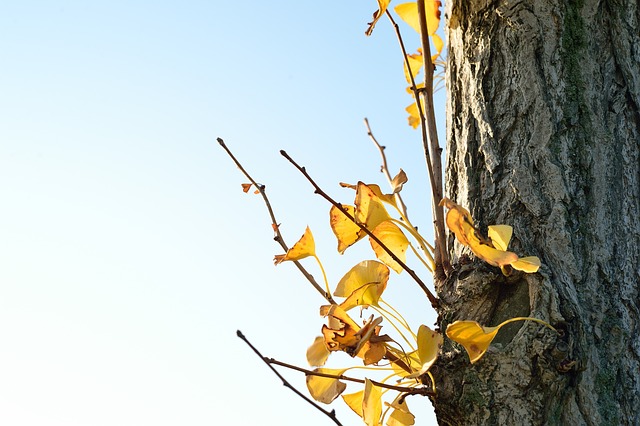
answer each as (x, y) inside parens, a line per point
(129, 256)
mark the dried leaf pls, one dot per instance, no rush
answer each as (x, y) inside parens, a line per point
(325, 389)
(246, 187)
(382, 8)
(398, 181)
(305, 247)
(317, 353)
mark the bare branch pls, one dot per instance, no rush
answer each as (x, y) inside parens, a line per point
(331, 414)
(276, 227)
(441, 255)
(319, 191)
(385, 168)
(404, 389)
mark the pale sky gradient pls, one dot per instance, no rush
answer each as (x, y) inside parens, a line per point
(129, 256)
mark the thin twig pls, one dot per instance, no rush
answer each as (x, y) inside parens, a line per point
(385, 168)
(319, 191)
(441, 254)
(331, 414)
(276, 227)
(415, 391)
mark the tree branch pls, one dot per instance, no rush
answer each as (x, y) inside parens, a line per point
(319, 191)
(331, 414)
(414, 391)
(274, 224)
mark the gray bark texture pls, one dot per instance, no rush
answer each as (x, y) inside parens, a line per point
(543, 134)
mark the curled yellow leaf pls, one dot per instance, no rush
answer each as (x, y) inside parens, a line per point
(382, 8)
(476, 338)
(305, 247)
(369, 208)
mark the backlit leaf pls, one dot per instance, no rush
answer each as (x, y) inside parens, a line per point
(347, 232)
(371, 404)
(354, 401)
(325, 389)
(382, 8)
(305, 247)
(409, 13)
(365, 272)
(246, 187)
(429, 343)
(415, 61)
(365, 296)
(392, 237)
(369, 209)
(317, 353)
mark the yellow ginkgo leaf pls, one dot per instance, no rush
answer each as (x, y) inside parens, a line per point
(347, 232)
(395, 240)
(305, 247)
(365, 272)
(354, 401)
(491, 255)
(500, 235)
(400, 416)
(409, 14)
(371, 404)
(460, 222)
(415, 61)
(429, 343)
(317, 353)
(438, 44)
(476, 338)
(325, 389)
(382, 8)
(369, 208)
(529, 264)
(414, 115)
(386, 198)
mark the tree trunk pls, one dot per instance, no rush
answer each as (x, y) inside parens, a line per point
(544, 134)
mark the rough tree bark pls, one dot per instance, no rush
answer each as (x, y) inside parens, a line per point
(544, 134)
